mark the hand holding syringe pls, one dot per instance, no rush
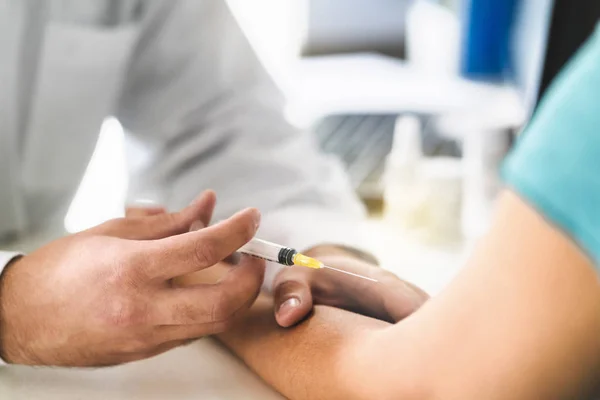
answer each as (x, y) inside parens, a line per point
(287, 256)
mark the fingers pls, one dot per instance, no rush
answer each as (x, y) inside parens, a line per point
(165, 225)
(194, 251)
(151, 224)
(208, 309)
(205, 206)
(401, 299)
(292, 300)
(143, 211)
(297, 289)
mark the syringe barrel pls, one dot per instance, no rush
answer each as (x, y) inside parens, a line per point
(269, 251)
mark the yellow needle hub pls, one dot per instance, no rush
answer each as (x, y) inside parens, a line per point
(305, 261)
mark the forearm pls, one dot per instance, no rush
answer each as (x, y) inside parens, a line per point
(519, 322)
(309, 361)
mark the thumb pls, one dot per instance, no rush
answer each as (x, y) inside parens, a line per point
(292, 302)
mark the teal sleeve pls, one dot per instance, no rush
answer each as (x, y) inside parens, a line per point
(555, 166)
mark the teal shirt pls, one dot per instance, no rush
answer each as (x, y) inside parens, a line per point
(555, 166)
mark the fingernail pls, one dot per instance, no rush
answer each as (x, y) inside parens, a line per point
(289, 304)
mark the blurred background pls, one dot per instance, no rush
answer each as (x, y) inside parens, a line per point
(420, 101)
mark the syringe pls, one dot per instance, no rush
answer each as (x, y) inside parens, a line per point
(287, 256)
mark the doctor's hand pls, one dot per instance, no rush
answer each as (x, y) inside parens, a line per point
(297, 289)
(105, 296)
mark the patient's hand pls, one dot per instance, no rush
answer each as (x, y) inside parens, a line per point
(296, 289)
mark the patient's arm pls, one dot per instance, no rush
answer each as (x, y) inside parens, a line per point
(521, 321)
(301, 362)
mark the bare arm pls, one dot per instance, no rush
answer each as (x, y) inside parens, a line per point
(292, 359)
(521, 321)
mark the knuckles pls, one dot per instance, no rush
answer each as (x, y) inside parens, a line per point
(121, 312)
(188, 314)
(215, 309)
(222, 311)
(117, 275)
(124, 306)
(206, 252)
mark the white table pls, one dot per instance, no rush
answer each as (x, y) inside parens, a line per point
(203, 370)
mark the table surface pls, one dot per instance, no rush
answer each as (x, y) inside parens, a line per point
(205, 369)
(202, 370)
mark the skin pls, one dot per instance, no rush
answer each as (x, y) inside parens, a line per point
(128, 308)
(297, 290)
(521, 321)
(106, 296)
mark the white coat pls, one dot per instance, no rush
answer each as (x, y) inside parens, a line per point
(182, 79)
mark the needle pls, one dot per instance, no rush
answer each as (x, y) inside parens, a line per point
(350, 273)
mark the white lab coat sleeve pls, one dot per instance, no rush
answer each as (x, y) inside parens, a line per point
(198, 97)
(5, 258)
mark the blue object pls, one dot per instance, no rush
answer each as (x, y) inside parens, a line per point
(556, 164)
(486, 38)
